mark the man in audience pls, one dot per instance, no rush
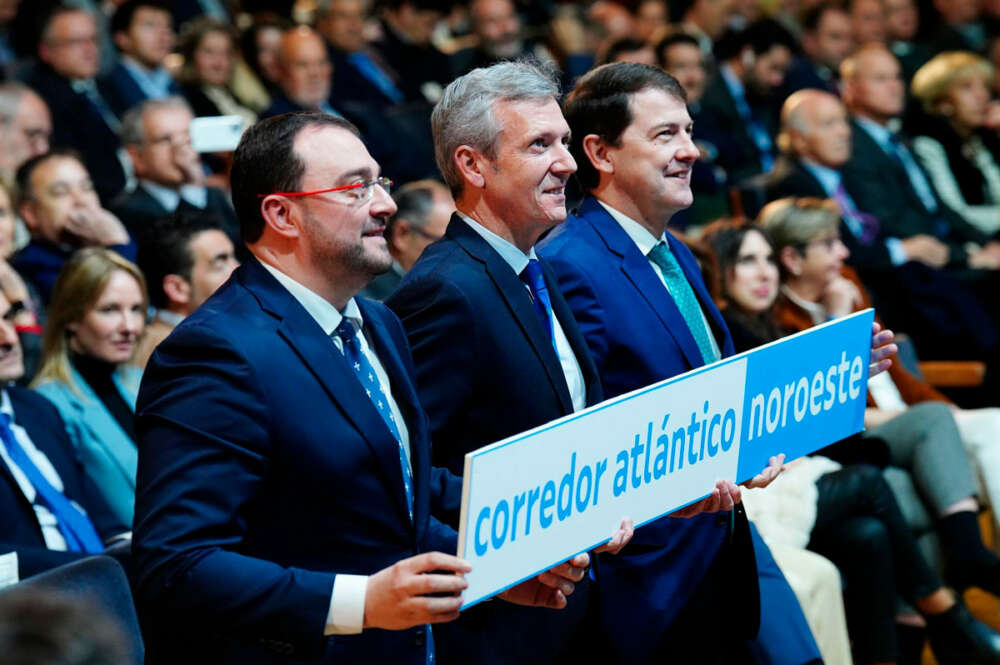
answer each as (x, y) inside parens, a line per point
(406, 47)
(305, 74)
(255, 538)
(497, 29)
(704, 19)
(867, 21)
(170, 175)
(58, 203)
(826, 40)
(50, 513)
(359, 74)
(143, 32)
(738, 114)
(185, 258)
(25, 128)
(423, 211)
(911, 293)
(902, 26)
(82, 118)
(960, 27)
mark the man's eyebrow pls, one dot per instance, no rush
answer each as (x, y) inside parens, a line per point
(363, 172)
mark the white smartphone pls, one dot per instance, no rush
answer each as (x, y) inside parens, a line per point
(219, 133)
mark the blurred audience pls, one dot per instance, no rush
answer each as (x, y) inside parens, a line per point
(304, 79)
(627, 49)
(207, 46)
(902, 27)
(170, 175)
(25, 128)
(260, 44)
(868, 21)
(96, 318)
(956, 142)
(405, 45)
(826, 40)
(59, 204)
(143, 32)
(185, 257)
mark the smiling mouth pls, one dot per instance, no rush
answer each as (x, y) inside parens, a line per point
(682, 175)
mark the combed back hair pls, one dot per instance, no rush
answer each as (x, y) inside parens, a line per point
(849, 65)
(761, 36)
(265, 162)
(132, 131)
(165, 248)
(45, 23)
(813, 16)
(796, 222)
(22, 178)
(79, 285)
(466, 115)
(414, 201)
(121, 20)
(601, 104)
(11, 94)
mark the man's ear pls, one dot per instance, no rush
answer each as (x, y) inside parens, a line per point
(471, 163)
(177, 289)
(121, 40)
(597, 152)
(28, 214)
(792, 260)
(280, 215)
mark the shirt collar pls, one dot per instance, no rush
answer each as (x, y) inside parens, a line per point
(509, 252)
(170, 198)
(639, 234)
(319, 308)
(5, 404)
(879, 134)
(733, 82)
(815, 310)
(828, 178)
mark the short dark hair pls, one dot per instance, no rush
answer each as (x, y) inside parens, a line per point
(22, 178)
(265, 162)
(165, 248)
(601, 104)
(121, 20)
(44, 22)
(673, 39)
(762, 35)
(813, 16)
(412, 204)
(619, 46)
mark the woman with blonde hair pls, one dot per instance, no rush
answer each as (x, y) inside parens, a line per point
(95, 319)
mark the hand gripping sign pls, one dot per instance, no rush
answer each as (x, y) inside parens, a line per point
(540, 497)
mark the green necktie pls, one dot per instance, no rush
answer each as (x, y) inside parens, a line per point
(684, 298)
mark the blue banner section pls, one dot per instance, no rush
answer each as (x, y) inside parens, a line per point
(805, 392)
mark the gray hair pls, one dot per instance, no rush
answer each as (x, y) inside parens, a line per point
(11, 94)
(465, 115)
(132, 132)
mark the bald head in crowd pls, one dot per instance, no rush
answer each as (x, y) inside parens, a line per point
(814, 128)
(424, 210)
(25, 128)
(305, 67)
(873, 85)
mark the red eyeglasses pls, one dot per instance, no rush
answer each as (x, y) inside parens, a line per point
(360, 191)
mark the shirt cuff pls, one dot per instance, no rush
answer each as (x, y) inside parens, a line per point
(896, 252)
(347, 605)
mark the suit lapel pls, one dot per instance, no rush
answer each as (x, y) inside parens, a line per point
(640, 273)
(514, 293)
(318, 353)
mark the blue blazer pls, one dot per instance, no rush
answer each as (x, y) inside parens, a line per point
(19, 530)
(487, 370)
(637, 337)
(122, 92)
(264, 471)
(108, 454)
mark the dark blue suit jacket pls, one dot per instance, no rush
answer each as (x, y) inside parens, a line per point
(486, 370)
(637, 337)
(264, 469)
(122, 92)
(19, 530)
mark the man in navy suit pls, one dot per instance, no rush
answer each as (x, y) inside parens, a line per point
(646, 314)
(144, 34)
(496, 347)
(285, 489)
(37, 467)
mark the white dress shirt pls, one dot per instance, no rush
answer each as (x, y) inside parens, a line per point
(518, 261)
(646, 241)
(347, 602)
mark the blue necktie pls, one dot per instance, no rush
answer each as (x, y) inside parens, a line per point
(757, 133)
(74, 524)
(904, 159)
(376, 76)
(685, 299)
(369, 381)
(532, 276)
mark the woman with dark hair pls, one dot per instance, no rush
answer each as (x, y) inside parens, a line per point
(848, 514)
(209, 62)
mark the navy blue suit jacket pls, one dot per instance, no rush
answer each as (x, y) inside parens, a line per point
(264, 470)
(122, 92)
(486, 370)
(19, 530)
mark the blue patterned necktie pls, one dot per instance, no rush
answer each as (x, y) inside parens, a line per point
(532, 276)
(73, 523)
(685, 299)
(363, 369)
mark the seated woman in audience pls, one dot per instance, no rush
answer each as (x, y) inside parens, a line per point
(955, 141)
(927, 435)
(848, 514)
(95, 319)
(208, 50)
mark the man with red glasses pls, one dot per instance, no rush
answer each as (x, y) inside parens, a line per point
(285, 491)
